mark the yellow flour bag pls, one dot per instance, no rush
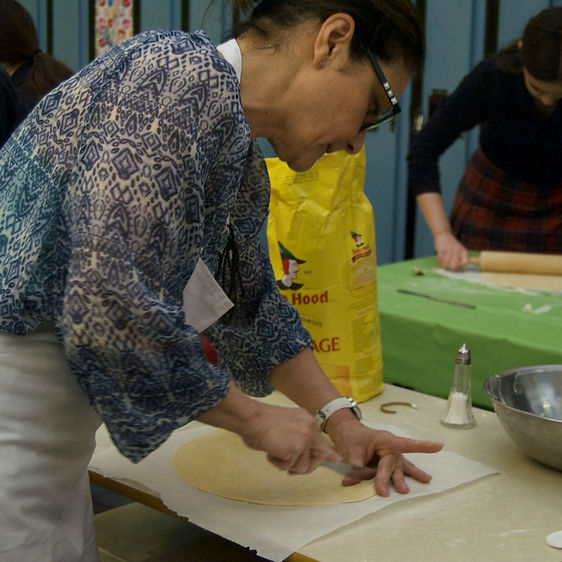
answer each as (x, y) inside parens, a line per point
(321, 238)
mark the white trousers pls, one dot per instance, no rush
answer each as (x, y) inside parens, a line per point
(47, 437)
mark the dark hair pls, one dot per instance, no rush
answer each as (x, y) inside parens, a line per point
(389, 28)
(542, 45)
(19, 45)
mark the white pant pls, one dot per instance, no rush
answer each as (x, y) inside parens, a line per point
(47, 437)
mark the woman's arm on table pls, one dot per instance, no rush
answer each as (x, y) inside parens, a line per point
(302, 380)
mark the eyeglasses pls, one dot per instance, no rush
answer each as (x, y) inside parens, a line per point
(392, 113)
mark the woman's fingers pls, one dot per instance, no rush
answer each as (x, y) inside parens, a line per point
(389, 443)
(302, 465)
(306, 462)
(410, 469)
(297, 446)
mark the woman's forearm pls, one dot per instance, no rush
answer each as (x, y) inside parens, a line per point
(433, 210)
(451, 253)
(233, 413)
(303, 381)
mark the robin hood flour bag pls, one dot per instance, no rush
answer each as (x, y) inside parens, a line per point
(321, 238)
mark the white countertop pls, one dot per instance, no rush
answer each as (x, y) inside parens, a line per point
(504, 517)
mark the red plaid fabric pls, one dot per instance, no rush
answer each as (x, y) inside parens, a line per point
(492, 211)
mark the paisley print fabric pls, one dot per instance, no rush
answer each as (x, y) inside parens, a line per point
(110, 191)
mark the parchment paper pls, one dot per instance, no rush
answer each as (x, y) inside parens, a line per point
(275, 532)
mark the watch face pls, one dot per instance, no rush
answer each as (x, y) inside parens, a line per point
(355, 408)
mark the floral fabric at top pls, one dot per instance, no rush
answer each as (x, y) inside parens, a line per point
(113, 188)
(113, 23)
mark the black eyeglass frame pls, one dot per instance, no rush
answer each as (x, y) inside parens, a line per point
(395, 109)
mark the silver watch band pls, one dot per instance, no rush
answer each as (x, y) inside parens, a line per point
(324, 413)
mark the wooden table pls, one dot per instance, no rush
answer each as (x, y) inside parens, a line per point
(501, 517)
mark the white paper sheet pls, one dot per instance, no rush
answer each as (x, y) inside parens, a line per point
(275, 532)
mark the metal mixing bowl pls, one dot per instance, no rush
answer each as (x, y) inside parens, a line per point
(528, 402)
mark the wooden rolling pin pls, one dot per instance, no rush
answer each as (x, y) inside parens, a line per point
(519, 262)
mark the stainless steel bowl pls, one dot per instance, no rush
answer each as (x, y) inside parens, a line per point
(528, 402)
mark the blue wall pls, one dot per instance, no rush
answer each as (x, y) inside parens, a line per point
(71, 23)
(455, 39)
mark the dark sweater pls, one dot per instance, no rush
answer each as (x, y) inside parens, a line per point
(12, 110)
(514, 135)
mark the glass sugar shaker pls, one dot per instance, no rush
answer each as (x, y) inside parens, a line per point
(458, 412)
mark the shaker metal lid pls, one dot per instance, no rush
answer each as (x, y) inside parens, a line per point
(463, 355)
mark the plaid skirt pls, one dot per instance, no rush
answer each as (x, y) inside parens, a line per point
(492, 211)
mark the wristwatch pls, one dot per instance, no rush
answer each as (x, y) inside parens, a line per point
(324, 413)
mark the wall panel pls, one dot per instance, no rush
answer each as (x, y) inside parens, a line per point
(514, 15)
(68, 30)
(449, 33)
(455, 31)
(155, 15)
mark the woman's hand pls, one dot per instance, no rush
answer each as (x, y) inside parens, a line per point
(291, 438)
(364, 446)
(450, 252)
(303, 381)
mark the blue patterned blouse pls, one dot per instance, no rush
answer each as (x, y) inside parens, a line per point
(110, 191)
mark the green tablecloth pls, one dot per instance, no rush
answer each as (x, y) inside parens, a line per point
(420, 337)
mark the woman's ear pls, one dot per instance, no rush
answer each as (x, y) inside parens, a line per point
(333, 40)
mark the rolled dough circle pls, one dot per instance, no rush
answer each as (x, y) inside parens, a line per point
(220, 463)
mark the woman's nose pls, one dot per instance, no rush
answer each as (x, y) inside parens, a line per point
(354, 145)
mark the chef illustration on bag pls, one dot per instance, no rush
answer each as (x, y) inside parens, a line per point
(358, 238)
(290, 270)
